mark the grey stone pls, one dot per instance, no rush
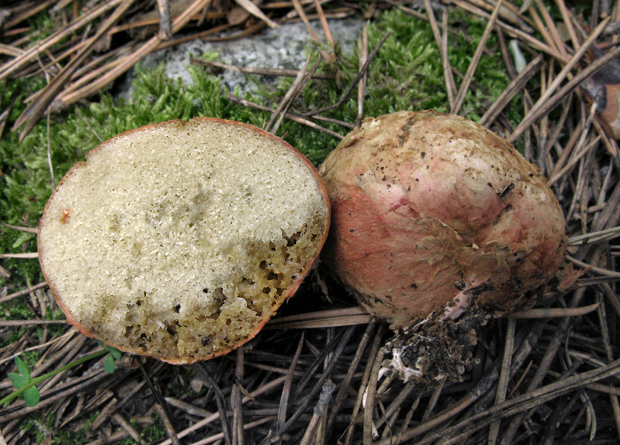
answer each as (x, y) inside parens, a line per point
(285, 48)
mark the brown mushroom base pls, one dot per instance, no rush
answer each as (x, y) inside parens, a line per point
(436, 349)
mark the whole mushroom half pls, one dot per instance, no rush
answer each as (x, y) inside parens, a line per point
(433, 213)
(180, 240)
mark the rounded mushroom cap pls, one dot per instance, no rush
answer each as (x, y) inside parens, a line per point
(429, 207)
(180, 240)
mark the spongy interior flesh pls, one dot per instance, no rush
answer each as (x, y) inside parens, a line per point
(179, 241)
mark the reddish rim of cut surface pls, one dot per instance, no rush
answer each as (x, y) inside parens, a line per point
(285, 295)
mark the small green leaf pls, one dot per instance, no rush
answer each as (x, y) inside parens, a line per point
(22, 368)
(100, 343)
(32, 396)
(18, 380)
(109, 365)
(115, 353)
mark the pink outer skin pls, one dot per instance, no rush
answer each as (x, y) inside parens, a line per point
(285, 295)
(425, 204)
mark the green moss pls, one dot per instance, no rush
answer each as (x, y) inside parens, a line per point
(13, 310)
(30, 358)
(149, 434)
(12, 337)
(154, 432)
(43, 23)
(16, 309)
(38, 426)
(408, 74)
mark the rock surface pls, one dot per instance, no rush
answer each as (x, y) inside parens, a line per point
(285, 48)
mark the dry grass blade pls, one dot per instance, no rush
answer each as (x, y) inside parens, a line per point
(188, 407)
(259, 71)
(21, 229)
(362, 49)
(356, 80)
(29, 55)
(302, 15)
(29, 255)
(540, 27)
(131, 431)
(289, 97)
(105, 414)
(370, 429)
(319, 315)
(591, 268)
(513, 406)
(434, 399)
(435, 421)
(165, 30)
(129, 61)
(410, 11)
(247, 426)
(167, 424)
(345, 385)
(543, 367)
(471, 69)
(251, 30)
(288, 384)
(341, 344)
(254, 10)
(29, 10)
(329, 57)
(447, 68)
(21, 293)
(594, 237)
(37, 108)
(507, 12)
(267, 387)
(9, 50)
(515, 32)
(553, 313)
(361, 393)
(324, 24)
(576, 158)
(235, 400)
(50, 343)
(553, 30)
(504, 377)
(442, 44)
(568, 22)
(546, 393)
(319, 411)
(320, 322)
(18, 323)
(511, 90)
(292, 116)
(221, 406)
(546, 102)
(95, 73)
(397, 403)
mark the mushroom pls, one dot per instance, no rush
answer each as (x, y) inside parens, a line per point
(180, 240)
